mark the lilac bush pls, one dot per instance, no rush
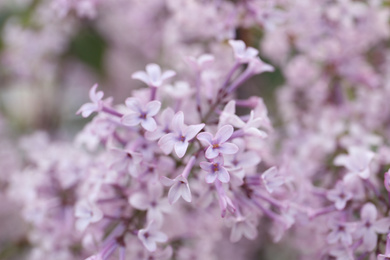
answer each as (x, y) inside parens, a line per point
(186, 160)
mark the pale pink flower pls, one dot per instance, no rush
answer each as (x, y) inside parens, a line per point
(272, 179)
(215, 169)
(179, 188)
(357, 161)
(152, 201)
(369, 226)
(86, 212)
(141, 114)
(339, 195)
(150, 235)
(180, 136)
(242, 53)
(97, 103)
(341, 232)
(218, 144)
(202, 62)
(242, 226)
(153, 76)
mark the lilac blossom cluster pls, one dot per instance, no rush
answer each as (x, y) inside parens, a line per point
(185, 162)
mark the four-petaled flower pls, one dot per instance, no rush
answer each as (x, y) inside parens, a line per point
(218, 145)
(369, 226)
(272, 179)
(179, 188)
(153, 76)
(141, 114)
(180, 136)
(357, 162)
(97, 103)
(86, 212)
(339, 195)
(215, 169)
(150, 235)
(242, 53)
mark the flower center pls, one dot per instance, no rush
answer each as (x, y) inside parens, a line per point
(215, 167)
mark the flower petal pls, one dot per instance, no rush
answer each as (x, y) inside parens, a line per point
(168, 74)
(181, 148)
(211, 177)
(192, 130)
(205, 137)
(141, 75)
(223, 175)
(211, 153)
(131, 119)
(167, 142)
(228, 148)
(153, 107)
(224, 133)
(149, 124)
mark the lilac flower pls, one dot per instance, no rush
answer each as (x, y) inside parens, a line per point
(341, 232)
(215, 170)
(153, 76)
(141, 114)
(242, 226)
(163, 128)
(97, 103)
(125, 160)
(357, 162)
(272, 179)
(218, 145)
(180, 136)
(339, 195)
(87, 213)
(242, 53)
(179, 188)
(228, 116)
(179, 185)
(202, 62)
(369, 226)
(150, 235)
(151, 201)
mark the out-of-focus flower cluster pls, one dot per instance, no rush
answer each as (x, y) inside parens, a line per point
(186, 165)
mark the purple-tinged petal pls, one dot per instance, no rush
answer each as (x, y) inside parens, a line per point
(131, 119)
(223, 175)
(219, 160)
(95, 96)
(251, 52)
(153, 107)
(168, 74)
(192, 130)
(133, 104)
(369, 240)
(166, 181)
(205, 137)
(228, 148)
(141, 75)
(87, 109)
(382, 226)
(167, 142)
(224, 133)
(174, 193)
(211, 153)
(139, 201)
(154, 72)
(149, 124)
(186, 192)
(368, 212)
(178, 122)
(211, 177)
(160, 237)
(206, 166)
(181, 148)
